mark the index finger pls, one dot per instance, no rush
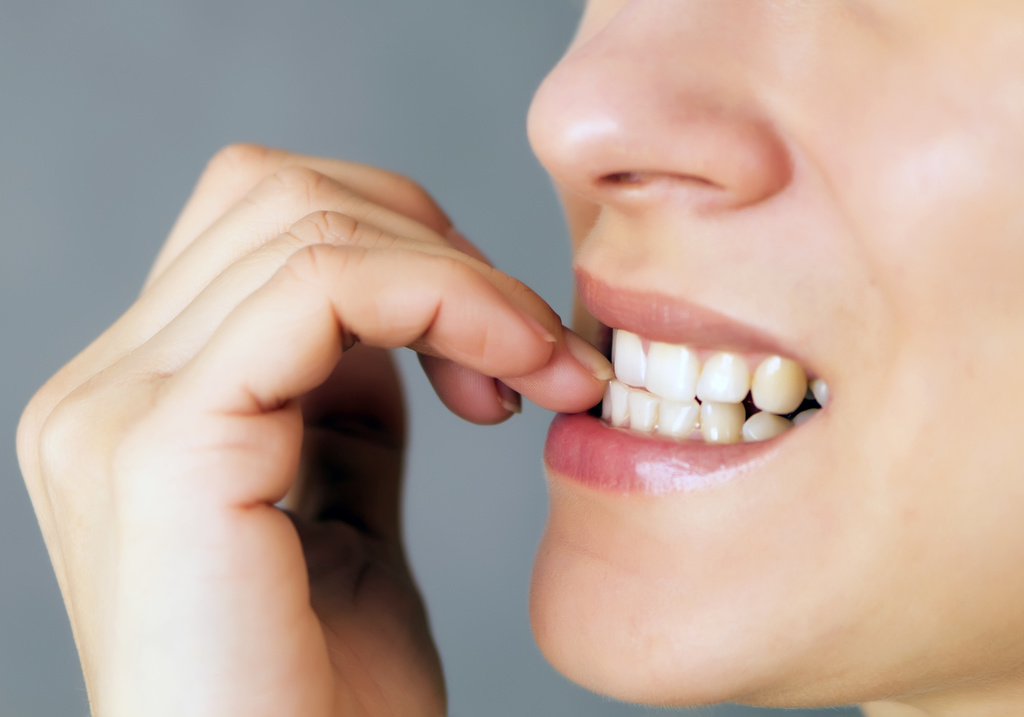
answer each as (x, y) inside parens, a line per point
(285, 340)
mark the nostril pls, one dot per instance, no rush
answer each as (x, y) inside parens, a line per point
(635, 188)
(617, 178)
(642, 178)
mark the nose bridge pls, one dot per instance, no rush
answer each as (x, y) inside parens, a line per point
(664, 91)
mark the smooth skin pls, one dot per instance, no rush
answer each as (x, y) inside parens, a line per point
(846, 176)
(251, 371)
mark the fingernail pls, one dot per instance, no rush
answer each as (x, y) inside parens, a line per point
(587, 356)
(540, 329)
(509, 399)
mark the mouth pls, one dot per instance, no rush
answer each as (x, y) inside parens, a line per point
(680, 414)
(689, 394)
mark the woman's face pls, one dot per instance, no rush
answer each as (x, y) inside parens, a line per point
(840, 182)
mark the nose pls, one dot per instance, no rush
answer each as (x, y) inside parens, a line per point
(660, 100)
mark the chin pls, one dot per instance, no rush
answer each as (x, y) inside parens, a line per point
(719, 590)
(599, 627)
(636, 638)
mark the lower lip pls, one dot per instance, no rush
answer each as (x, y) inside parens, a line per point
(585, 450)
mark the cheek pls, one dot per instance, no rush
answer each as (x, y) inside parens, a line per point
(947, 237)
(940, 202)
(935, 193)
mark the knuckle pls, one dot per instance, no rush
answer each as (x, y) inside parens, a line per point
(308, 264)
(412, 195)
(297, 180)
(325, 227)
(239, 159)
(74, 442)
(64, 440)
(322, 264)
(29, 433)
(296, 189)
(409, 189)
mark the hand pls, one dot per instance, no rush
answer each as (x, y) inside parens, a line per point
(250, 371)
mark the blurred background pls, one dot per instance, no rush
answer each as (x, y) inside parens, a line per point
(110, 111)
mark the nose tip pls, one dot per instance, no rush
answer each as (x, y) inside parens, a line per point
(621, 121)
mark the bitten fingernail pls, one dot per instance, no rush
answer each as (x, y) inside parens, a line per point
(509, 399)
(540, 329)
(587, 356)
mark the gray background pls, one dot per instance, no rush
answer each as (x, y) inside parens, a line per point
(110, 110)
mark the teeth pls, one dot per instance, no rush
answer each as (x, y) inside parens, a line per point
(721, 422)
(804, 416)
(663, 390)
(643, 411)
(779, 385)
(725, 379)
(678, 419)
(764, 425)
(618, 400)
(820, 390)
(628, 358)
(672, 371)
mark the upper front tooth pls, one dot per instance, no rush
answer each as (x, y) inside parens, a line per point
(628, 357)
(672, 371)
(725, 379)
(779, 385)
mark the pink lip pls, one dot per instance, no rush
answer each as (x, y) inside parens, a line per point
(664, 318)
(585, 450)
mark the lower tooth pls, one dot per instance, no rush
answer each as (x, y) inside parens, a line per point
(678, 419)
(712, 421)
(643, 411)
(762, 426)
(722, 422)
(804, 416)
(618, 399)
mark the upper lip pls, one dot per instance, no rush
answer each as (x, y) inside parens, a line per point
(671, 319)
